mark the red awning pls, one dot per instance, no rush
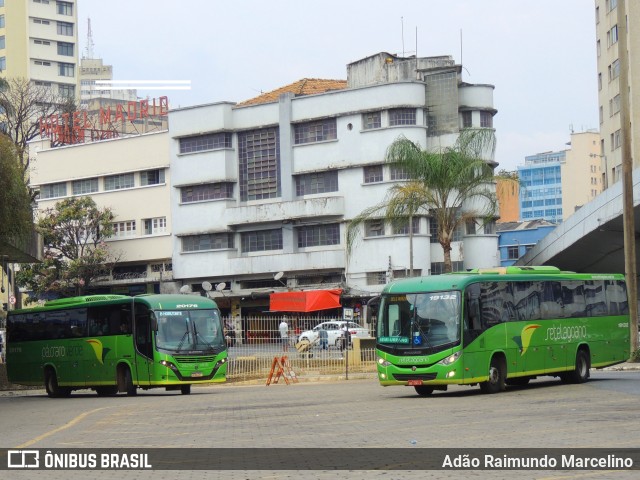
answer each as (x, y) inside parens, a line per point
(308, 301)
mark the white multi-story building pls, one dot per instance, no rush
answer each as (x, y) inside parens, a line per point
(39, 42)
(131, 176)
(268, 185)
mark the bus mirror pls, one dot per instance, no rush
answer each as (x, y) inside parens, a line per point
(154, 324)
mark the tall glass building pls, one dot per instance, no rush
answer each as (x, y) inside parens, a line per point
(541, 188)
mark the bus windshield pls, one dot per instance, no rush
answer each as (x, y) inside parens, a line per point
(189, 330)
(420, 320)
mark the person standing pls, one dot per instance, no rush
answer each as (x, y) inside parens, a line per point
(284, 334)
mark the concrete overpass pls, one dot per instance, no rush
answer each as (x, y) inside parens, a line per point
(591, 240)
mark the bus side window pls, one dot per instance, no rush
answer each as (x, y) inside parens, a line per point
(472, 312)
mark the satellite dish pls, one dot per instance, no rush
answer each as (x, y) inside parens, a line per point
(221, 286)
(206, 286)
(185, 289)
(278, 275)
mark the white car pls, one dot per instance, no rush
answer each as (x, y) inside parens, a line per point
(334, 332)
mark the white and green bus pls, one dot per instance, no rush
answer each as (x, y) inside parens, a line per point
(116, 343)
(498, 327)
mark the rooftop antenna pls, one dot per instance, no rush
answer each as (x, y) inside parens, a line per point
(89, 48)
(402, 31)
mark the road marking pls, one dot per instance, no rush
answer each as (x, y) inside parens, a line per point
(70, 423)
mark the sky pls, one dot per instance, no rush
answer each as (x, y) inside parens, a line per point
(539, 54)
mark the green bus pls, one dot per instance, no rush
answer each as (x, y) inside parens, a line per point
(501, 326)
(117, 343)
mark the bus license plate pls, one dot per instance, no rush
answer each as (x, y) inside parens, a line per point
(196, 374)
(414, 382)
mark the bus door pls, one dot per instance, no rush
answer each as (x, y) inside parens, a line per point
(143, 344)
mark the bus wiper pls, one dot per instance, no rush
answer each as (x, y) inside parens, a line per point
(184, 337)
(195, 329)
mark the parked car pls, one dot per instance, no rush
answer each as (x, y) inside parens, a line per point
(335, 332)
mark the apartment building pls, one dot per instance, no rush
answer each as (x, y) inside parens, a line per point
(609, 16)
(39, 41)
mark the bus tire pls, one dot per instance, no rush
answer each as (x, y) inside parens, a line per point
(580, 373)
(130, 388)
(497, 376)
(423, 390)
(109, 391)
(185, 389)
(52, 387)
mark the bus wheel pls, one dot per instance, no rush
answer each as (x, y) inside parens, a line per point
(423, 390)
(580, 373)
(106, 391)
(51, 385)
(185, 389)
(497, 374)
(128, 382)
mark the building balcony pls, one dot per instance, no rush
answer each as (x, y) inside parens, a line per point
(22, 249)
(278, 211)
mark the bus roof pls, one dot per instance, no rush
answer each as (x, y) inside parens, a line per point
(458, 280)
(154, 301)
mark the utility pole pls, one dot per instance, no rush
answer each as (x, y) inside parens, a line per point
(627, 176)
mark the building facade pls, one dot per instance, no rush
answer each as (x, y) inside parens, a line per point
(131, 176)
(266, 187)
(517, 238)
(39, 42)
(555, 184)
(609, 16)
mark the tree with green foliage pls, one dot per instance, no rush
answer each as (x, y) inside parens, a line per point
(16, 214)
(75, 253)
(455, 184)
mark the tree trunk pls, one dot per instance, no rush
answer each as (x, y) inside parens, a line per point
(446, 246)
(411, 245)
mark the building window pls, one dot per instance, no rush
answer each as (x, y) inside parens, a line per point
(53, 190)
(437, 268)
(64, 8)
(67, 91)
(211, 241)
(65, 69)
(1, 21)
(41, 21)
(316, 131)
(42, 63)
(319, 182)
(373, 174)
(614, 70)
(65, 48)
(259, 159)
(466, 120)
(319, 235)
(398, 173)
(153, 226)
(82, 187)
(210, 141)
(152, 177)
(371, 120)
(614, 35)
(124, 229)
(3, 63)
(433, 230)
(374, 228)
(376, 278)
(209, 191)
(65, 28)
(616, 140)
(486, 120)
(117, 182)
(41, 42)
(402, 116)
(513, 253)
(2, 42)
(403, 228)
(261, 240)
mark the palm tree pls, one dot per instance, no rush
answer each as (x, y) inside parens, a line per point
(402, 203)
(452, 177)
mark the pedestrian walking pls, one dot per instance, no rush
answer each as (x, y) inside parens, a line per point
(284, 334)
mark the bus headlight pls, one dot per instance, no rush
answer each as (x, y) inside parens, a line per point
(170, 365)
(383, 363)
(450, 359)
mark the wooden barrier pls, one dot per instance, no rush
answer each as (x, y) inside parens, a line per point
(280, 367)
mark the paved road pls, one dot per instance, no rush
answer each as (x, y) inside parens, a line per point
(355, 413)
